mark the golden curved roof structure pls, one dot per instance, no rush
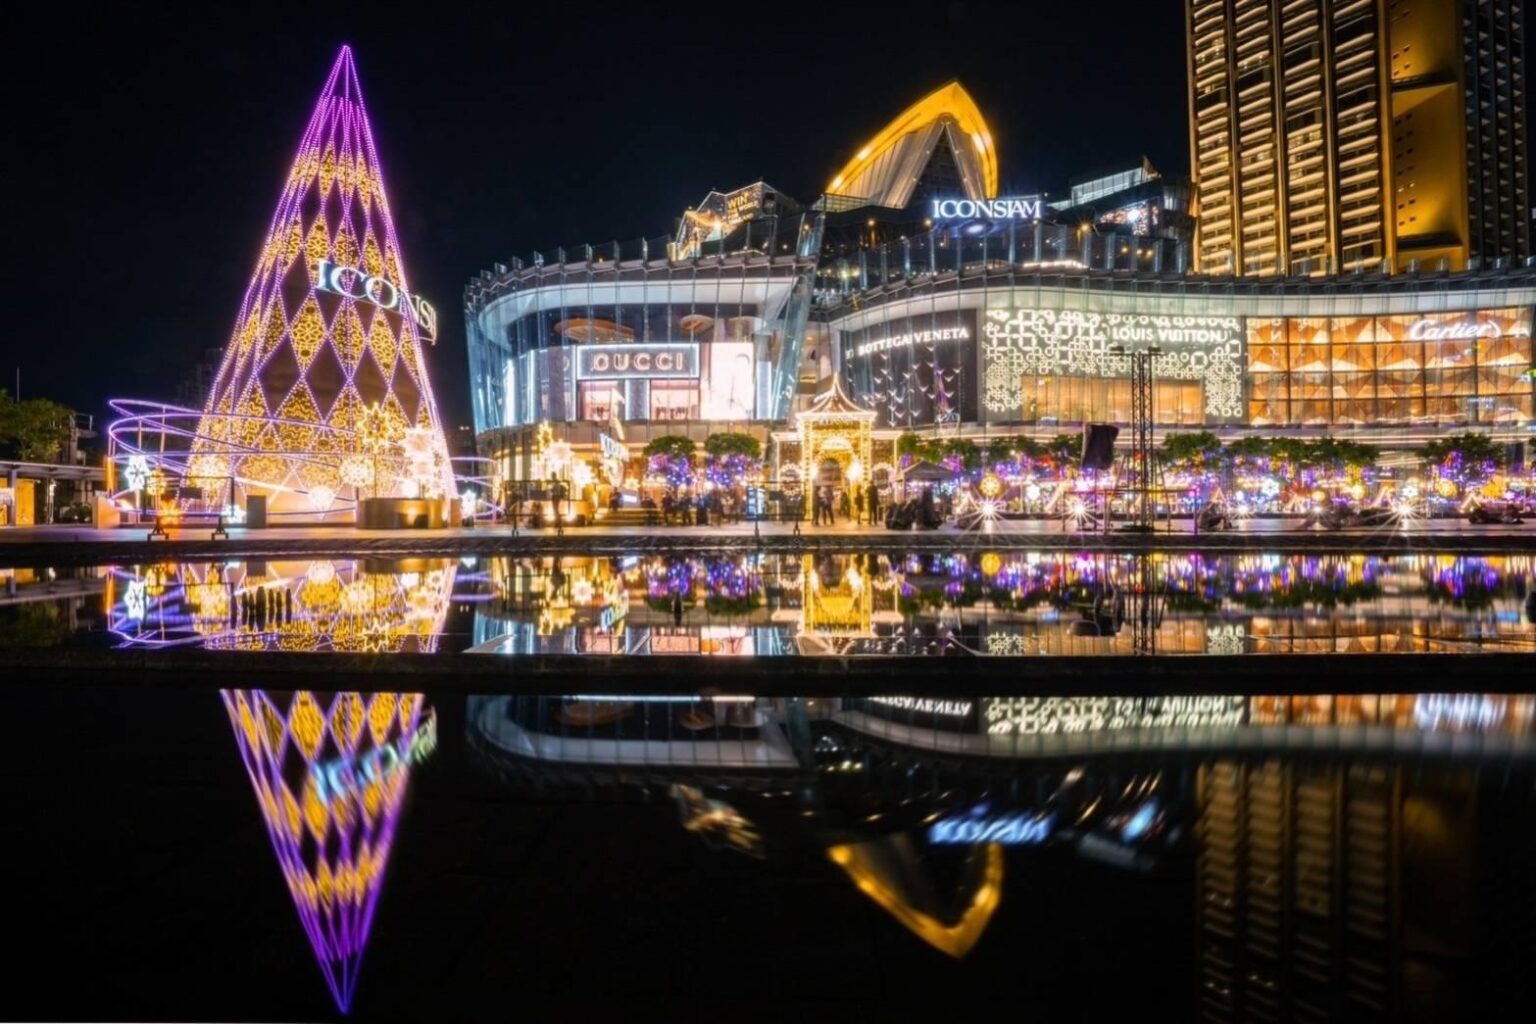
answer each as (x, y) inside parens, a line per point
(887, 167)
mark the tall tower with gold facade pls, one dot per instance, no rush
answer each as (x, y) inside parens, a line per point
(1330, 136)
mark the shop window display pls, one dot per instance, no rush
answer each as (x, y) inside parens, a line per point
(1444, 368)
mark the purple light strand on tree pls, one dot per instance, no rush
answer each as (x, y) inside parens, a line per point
(338, 914)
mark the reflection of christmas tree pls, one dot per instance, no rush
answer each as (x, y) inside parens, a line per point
(330, 776)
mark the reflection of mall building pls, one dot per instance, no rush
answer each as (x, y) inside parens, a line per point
(1018, 604)
(934, 302)
(1330, 840)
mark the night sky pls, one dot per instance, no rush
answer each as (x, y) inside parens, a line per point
(144, 152)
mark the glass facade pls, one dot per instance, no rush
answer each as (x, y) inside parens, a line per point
(915, 370)
(1394, 353)
(1436, 368)
(622, 336)
(1010, 325)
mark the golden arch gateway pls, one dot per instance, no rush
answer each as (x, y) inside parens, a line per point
(833, 432)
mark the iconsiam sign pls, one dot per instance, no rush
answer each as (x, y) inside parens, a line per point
(328, 336)
(330, 774)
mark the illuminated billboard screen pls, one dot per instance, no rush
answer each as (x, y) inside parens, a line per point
(727, 386)
(914, 371)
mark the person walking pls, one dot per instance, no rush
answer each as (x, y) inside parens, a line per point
(858, 505)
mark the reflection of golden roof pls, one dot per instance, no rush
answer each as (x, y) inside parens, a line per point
(877, 868)
(887, 167)
(594, 331)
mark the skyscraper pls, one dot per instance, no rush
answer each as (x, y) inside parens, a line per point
(1340, 135)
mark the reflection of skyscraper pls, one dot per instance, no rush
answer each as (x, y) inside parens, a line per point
(330, 779)
(891, 873)
(1329, 891)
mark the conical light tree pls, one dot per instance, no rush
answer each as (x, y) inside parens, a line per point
(322, 396)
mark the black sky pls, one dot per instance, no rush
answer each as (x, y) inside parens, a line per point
(144, 151)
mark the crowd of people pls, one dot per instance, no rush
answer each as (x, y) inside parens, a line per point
(828, 504)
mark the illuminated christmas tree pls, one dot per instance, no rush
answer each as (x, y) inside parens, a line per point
(322, 396)
(330, 774)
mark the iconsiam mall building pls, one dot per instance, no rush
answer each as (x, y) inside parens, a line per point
(322, 400)
(917, 294)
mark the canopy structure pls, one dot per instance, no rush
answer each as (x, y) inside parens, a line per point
(835, 445)
(927, 473)
(886, 169)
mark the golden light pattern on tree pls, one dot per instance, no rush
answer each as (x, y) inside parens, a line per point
(330, 774)
(307, 354)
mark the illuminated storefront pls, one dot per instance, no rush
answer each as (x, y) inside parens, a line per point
(1052, 348)
(938, 305)
(606, 338)
(1463, 367)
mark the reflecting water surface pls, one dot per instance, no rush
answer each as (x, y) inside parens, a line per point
(993, 604)
(313, 854)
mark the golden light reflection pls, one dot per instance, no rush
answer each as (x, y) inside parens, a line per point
(865, 865)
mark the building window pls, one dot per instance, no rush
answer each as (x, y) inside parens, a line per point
(674, 400)
(1441, 368)
(601, 400)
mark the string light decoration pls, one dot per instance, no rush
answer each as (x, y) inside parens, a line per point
(330, 773)
(326, 330)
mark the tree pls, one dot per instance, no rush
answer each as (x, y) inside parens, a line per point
(1065, 447)
(671, 446)
(1198, 449)
(1475, 451)
(964, 451)
(1252, 448)
(921, 448)
(731, 456)
(1007, 449)
(35, 430)
(671, 456)
(730, 443)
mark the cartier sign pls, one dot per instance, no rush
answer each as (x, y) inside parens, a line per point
(619, 362)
